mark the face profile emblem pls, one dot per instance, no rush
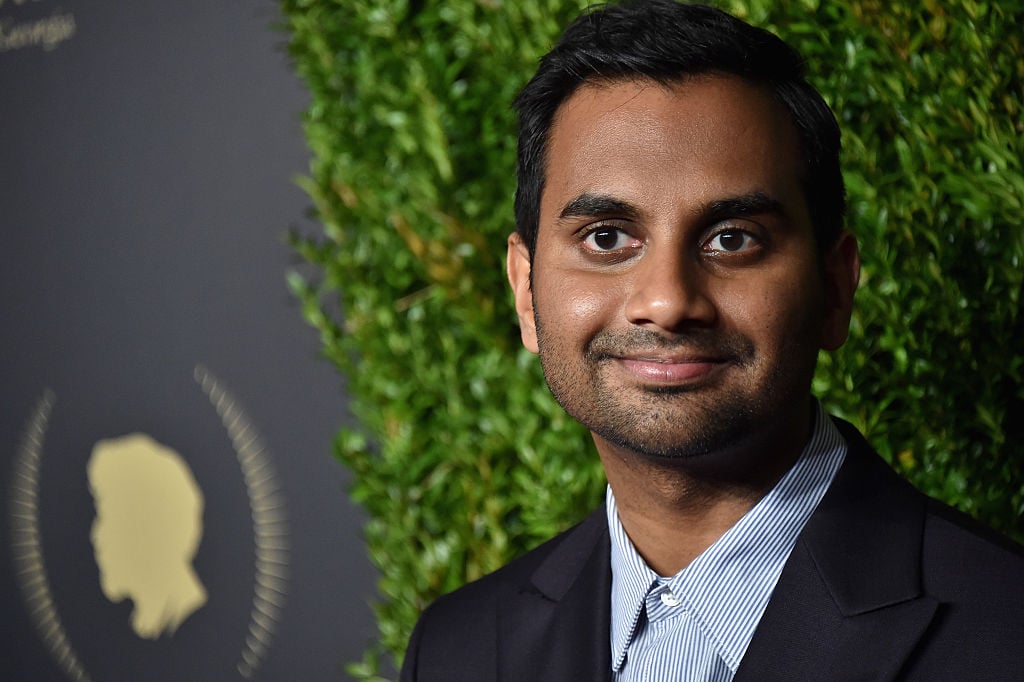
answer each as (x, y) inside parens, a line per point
(147, 530)
(149, 523)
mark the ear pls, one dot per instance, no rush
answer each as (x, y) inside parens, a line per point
(842, 274)
(517, 266)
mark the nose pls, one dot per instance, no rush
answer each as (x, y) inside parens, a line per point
(669, 292)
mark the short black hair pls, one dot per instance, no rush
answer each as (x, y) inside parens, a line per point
(667, 42)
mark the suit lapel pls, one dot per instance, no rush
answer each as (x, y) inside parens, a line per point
(849, 602)
(556, 628)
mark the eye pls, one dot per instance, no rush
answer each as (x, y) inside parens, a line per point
(732, 241)
(610, 239)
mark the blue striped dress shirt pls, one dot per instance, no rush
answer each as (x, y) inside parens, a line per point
(696, 625)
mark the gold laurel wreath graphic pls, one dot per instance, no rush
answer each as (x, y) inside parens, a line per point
(270, 525)
(27, 546)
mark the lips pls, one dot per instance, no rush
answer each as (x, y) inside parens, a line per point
(670, 371)
(664, 360)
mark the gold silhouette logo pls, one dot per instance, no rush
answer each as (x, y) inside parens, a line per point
(149, 512)
(149, 523)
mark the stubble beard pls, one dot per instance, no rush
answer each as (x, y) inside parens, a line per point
(673, 423)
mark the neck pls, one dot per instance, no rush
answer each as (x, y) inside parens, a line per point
(674, 510)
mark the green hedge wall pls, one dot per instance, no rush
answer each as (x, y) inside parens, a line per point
(462, 459)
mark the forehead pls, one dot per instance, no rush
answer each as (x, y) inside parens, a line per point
(686, 142)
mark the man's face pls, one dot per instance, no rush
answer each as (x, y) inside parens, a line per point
(678, 298)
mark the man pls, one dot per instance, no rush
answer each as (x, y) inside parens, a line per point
(679, 260)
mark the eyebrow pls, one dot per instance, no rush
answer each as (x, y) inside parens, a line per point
(589, 205)
(753, 203)
(597, 205)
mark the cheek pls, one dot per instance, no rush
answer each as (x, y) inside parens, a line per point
(575, 307)
(585, 306)
(775, 311)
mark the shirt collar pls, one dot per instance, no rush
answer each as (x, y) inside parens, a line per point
(632, 579)
(727, 587)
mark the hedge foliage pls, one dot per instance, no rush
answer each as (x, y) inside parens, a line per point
(463, 459)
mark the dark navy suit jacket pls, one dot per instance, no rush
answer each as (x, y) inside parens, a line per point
(883, 584)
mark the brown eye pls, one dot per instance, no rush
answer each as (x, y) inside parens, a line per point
(610, 239)
(606, 239)
(732, 241)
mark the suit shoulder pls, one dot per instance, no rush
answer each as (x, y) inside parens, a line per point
(964, 557)
(456, 636)
(514, 576)
(474, 601)
(975, 576)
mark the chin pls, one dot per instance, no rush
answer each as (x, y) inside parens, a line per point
(706, 430)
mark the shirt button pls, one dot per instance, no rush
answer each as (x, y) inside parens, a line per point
(669, 599)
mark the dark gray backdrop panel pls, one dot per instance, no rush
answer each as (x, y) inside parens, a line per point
(146, 165)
